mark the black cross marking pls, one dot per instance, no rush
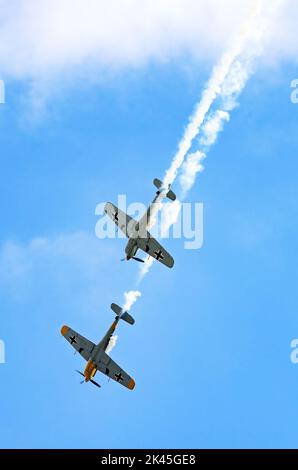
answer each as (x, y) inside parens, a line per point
(118, 377)
(116, 217)
(159, 255)
(72, 339)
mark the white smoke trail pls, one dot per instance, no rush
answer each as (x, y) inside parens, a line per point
(193, 163)
(231, 88)
(227, 81)
(112, 343)
(130, 298)
(145, 268)
(210, 94)
(190, 168)
(213, 89)
(213, 126)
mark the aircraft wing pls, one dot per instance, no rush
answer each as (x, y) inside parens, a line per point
(122, 220)
(107, 366)
(154, 249)
(78, 342)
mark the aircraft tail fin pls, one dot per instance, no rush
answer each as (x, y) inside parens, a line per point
(159, 185)
(123, 315)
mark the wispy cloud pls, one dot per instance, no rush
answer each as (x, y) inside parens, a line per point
(66, 265)
(50, 37)
(47, 39)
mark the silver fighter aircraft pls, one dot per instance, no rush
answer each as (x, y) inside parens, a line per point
(96, 356)
(137, 231)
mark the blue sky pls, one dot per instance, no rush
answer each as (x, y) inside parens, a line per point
(210, 349)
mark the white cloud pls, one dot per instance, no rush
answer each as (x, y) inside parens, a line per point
(48, 38)
(20, 260)
(66, 266)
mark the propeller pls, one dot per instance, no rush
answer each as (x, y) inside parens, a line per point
(91, 380)
(79, 372)
(95, 383)
(138, 259)
(135, 258)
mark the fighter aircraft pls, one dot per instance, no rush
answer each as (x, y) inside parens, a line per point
(96, 356)
(137, 231)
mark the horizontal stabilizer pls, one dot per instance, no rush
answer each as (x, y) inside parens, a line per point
(116, 309)
(159, 185)
(128, 318)
(123, 315)
(171, 195)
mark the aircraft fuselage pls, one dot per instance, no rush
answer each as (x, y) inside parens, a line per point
(90, 369)
(140, 229)
(131, 248)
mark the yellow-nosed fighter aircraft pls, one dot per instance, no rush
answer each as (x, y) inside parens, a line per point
(96, 356)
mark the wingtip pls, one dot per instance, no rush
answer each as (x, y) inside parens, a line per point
(131, 384)
(64, 330)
